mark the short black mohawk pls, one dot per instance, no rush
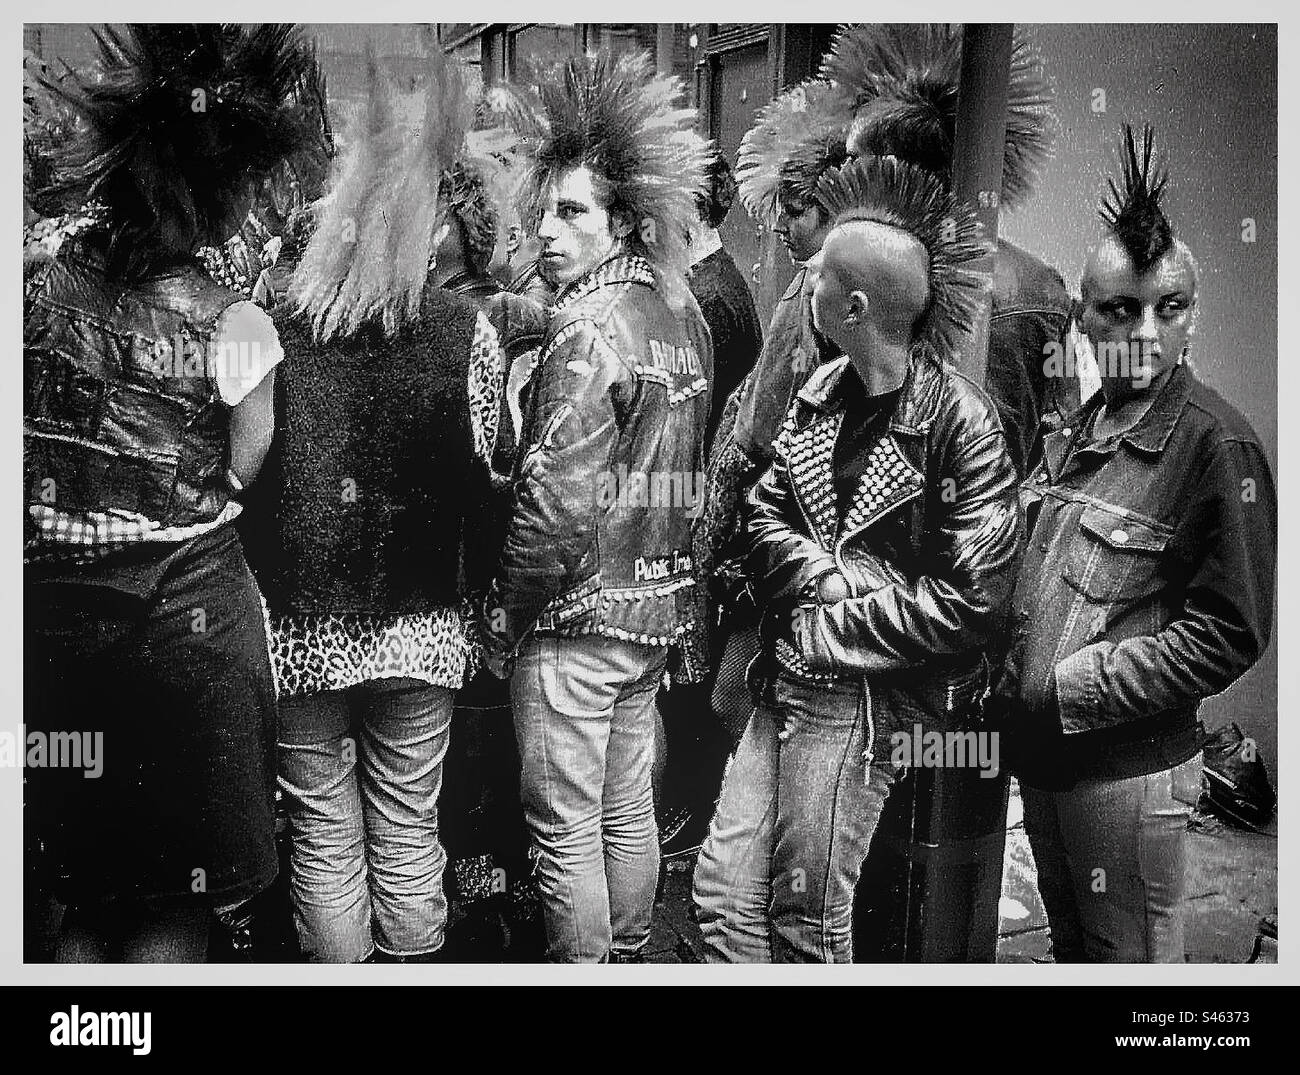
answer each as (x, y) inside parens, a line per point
(1133, 212)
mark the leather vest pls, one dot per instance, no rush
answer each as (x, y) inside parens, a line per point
(119, 409)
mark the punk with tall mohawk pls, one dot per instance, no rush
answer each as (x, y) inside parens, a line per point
(147, 411)
(1161, 478)
(883, 546)
(627, 124)
(794, 139)
(596, 580)
(902, 81)
(1138, 241)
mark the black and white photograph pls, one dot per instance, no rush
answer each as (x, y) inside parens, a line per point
(687, 494)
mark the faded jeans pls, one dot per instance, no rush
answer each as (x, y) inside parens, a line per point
(775, 878)
(361, 769)
(1112, 863)
(584, 720)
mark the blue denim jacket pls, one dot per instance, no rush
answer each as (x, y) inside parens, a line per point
(1147, 586)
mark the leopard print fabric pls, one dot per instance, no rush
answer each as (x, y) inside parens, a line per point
(310, 654)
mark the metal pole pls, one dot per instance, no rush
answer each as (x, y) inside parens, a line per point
(974, 811)
(934, 873)
(978, 154)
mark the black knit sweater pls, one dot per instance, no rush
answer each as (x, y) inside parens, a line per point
(371, 483)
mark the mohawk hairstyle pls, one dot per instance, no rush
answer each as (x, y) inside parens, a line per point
(803, 127)
(903, 80)
(886, 190)
(368, 259)
(177, 127)
(1134, 214)
(621, 119)
(806, 164)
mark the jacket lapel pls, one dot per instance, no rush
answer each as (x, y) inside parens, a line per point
(889, 480)
(809, 453)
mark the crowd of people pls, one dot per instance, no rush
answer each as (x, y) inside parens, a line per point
(332, 442)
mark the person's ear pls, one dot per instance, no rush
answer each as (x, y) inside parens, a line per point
(858, 305)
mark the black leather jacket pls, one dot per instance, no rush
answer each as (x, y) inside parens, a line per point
(930, 544)
(599, 538)
(120, 412)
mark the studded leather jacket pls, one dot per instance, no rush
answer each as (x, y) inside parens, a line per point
(929, 544)
(610, 475)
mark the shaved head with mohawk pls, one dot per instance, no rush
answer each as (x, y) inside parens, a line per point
(1133, 214)
(893, 275)
(902, 83)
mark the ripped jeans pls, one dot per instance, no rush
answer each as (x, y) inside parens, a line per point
(800, 803)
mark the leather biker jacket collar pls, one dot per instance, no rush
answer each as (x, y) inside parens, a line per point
(619, 269)
(918, 401)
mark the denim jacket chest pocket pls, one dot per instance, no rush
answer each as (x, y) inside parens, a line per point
(1116, 560)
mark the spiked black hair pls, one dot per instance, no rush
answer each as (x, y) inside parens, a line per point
(179, 125)
(627, 123)
(1133, 213)
(885, 190)
(468, 196)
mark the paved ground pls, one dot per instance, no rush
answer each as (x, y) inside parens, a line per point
(1233, 885)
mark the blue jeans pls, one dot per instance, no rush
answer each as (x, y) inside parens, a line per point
(1112, 862)
(366, 861)
(775, 878)
(584, 721)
